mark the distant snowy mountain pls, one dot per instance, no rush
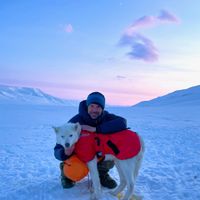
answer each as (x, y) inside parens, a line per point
(186, 97)
(25, 95)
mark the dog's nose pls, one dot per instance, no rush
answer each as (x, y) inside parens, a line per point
(67, 145)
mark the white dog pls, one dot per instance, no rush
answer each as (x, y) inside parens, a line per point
(69, 133)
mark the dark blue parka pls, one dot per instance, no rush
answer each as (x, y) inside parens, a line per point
(106, 123)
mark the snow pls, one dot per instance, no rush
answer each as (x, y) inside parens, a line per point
(28, 169)
(25, 95)
(185, 97)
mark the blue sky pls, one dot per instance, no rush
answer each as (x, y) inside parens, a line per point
(129, 50)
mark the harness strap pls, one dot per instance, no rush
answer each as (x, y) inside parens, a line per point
(113, 147)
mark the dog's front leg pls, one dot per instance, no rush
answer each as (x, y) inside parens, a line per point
(122, 182)
(92, 165)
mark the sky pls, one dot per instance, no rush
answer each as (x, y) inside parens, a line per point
(129, 50)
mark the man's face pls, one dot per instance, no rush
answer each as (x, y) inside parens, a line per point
(94, 110)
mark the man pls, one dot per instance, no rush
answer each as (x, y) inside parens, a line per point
(92, 117)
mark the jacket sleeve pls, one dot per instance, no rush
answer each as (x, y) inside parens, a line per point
(111, 124)
(75, 119)
(59, 153)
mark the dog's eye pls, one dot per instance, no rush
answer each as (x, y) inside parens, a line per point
(62, 136)
(70, 135)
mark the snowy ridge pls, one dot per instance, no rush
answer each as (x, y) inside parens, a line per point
(185, 97)
(25, 95)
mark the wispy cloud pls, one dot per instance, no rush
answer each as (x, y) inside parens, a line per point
(119, 77)
(166, 16)
(68, 28)
(143, 48)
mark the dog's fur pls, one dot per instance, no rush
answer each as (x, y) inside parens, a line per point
(68, 134)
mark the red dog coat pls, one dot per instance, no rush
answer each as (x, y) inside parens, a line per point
(123, 145)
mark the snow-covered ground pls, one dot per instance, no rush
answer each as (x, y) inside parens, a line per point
(28, 169)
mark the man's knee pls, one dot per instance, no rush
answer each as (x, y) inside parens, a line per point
(105, 165)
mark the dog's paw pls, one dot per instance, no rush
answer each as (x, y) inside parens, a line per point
(114, 193)
(93, 196)
(136, 197)
(119, 195)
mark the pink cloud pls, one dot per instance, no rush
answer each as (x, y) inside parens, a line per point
(141, 23)
(166, 16)
(150, 21)
(141, 47)
(68, 28)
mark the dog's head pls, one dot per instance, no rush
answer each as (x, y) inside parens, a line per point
(67, 134)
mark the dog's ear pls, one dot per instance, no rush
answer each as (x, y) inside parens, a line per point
(77, 127)
(56, 129)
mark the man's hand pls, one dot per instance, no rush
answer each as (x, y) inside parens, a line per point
(69, 150)
(88, 128)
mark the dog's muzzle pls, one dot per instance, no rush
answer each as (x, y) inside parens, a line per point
(67, 145)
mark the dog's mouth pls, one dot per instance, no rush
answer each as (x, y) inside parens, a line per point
(69, 150)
